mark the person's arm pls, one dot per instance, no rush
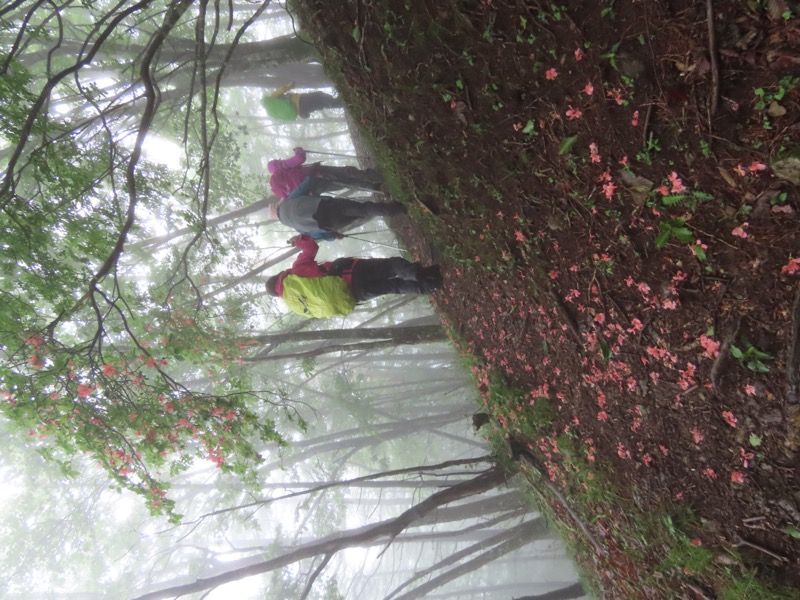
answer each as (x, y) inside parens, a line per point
(308, 250)
(282, 90)
(295, 161)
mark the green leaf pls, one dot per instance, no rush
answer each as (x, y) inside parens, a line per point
(754, 440)
(531, 128)
(673, 199)
(792, 531)
(356, 33)
(683, 234)
(662, 237)
(736, 352)
(699, 252)
(567, 144)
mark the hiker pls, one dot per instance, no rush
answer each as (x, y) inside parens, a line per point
(322, 217)
(331, 289)
(282, 106)
(286, 176)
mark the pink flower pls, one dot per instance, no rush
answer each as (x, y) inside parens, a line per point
(588, 89)
(624, 160)
(792, 267)
(677, 184)
(85, 390)
(739, 169)
(608, 189)
(697, 436)
(550, 74)
(750, 390)
(602, 416)
(616, 94)
(519, 235)
(756, 166)
(109, 370)
(730, 419)
(737, 477)
(595, 157)
(710, 473)
(740, 230)
(573, 113)
(578, 54)
(635, 119)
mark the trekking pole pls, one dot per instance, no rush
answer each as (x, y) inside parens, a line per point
(331, 154)
(352, 237)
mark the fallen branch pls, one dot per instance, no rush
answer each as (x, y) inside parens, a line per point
(712, 52)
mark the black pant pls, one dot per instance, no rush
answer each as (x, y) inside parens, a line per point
(373, 277)
(312, 101)
(337, 213)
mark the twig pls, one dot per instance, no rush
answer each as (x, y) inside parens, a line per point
(717, 367)
(794, 352)
(712, 51)
(743, 542)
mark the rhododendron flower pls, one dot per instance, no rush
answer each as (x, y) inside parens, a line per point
(595, 157)
(624, 161)
(573, 113)
(737, 477)
(85, 390)
(696, 435)
(746, 457)
(756, 166)
(616, 94)
(550, 74)
(792, 267)
(730, 419)
(578, 54)
(608, 189)
(519, 235)
(710, 473)
(109, 370)
(677, 184)
(588, 89)
(710, 346)
(635, 119)
(740, 230)
(750, 390)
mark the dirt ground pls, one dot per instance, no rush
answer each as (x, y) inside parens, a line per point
(607, 187)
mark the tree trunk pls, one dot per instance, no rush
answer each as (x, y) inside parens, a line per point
(522, 536)
(332, 544)
(566, 593)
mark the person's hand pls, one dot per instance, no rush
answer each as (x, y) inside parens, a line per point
(298, 149)
(339, 236)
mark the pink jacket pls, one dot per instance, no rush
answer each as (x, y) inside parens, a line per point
(304, 265)
(287, 174)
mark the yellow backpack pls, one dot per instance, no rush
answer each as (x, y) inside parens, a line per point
(318, 297)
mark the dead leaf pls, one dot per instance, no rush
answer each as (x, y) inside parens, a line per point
(639, 187)
(728, 178)
(775, 110)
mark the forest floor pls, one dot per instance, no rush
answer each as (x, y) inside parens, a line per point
(616, 214)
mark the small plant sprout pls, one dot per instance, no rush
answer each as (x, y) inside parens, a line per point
(751, 356)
